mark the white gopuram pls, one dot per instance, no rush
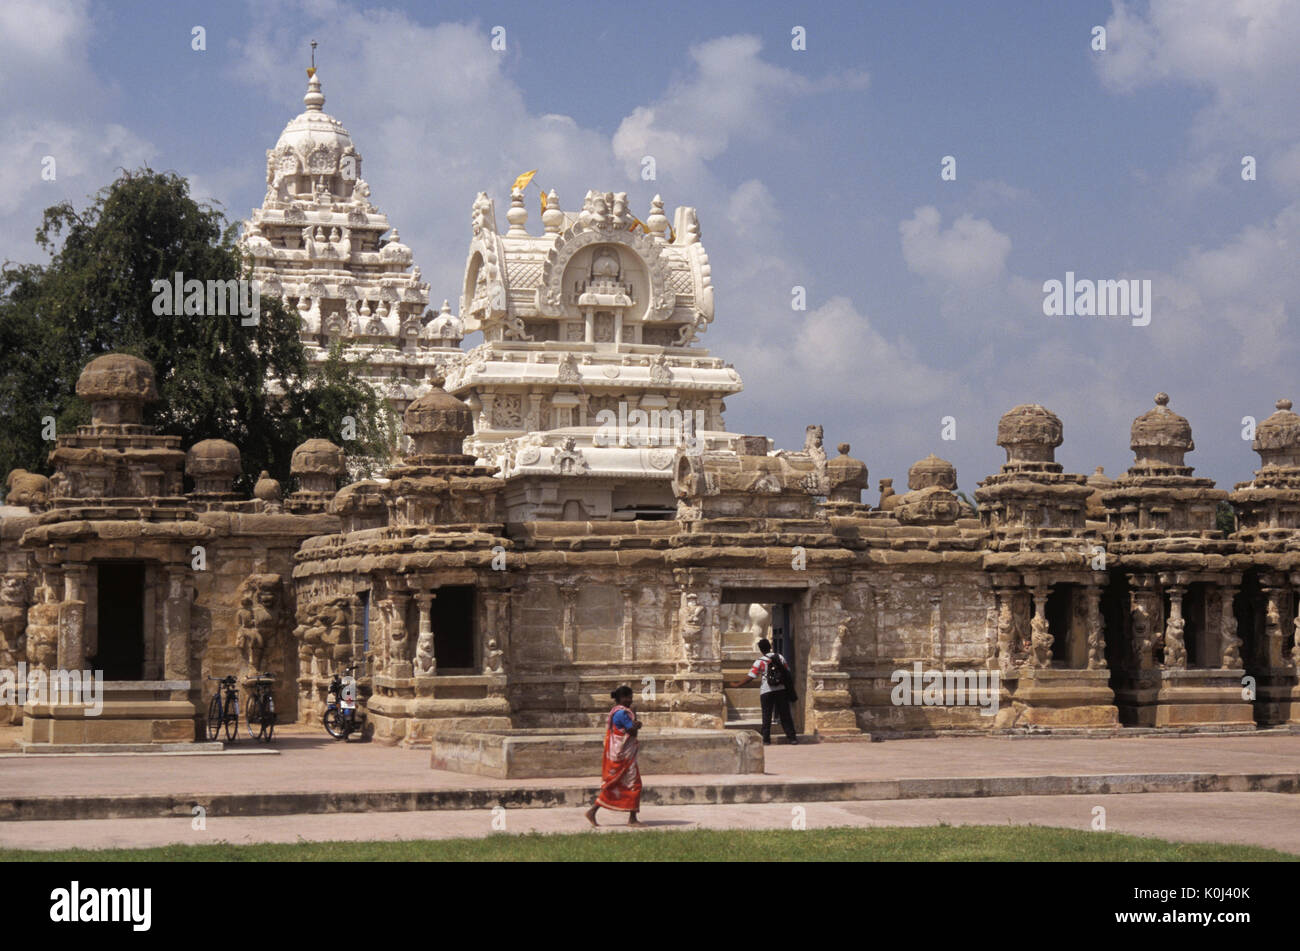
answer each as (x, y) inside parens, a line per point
(589, 380)
(317, 243)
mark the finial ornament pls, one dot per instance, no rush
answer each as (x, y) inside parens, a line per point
(1162, 399)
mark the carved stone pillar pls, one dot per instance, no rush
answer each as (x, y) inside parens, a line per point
(1175, 649)
(176, 622)
(1229, 642)
(1040, 637)
(1145, 612)
(72, 620)
(1277, 597)
(1096, 627)
(494, 632)
(426, 664)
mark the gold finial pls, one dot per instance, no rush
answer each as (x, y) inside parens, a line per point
(311, 70)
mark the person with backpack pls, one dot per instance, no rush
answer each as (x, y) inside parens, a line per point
(776, 690)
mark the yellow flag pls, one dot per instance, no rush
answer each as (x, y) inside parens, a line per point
(543, 201)
(523, 180)
(637, 221)
(311, 71)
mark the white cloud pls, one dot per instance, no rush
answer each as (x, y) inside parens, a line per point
(969, 253)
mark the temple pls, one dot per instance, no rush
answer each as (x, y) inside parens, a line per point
(319, 244)
(569, 512)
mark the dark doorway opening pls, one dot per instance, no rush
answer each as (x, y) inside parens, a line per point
(1058, 611)
(120, 618)
(453, 628)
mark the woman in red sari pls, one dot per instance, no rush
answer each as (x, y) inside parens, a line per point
(620, 780)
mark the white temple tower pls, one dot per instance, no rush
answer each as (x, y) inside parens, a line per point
(317, 242)
(590, 380)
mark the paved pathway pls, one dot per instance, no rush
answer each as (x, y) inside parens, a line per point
(311, 761)
(1266, 819)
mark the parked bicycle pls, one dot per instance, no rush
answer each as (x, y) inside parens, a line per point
(341, 712)
(223, 711)
(260, 715)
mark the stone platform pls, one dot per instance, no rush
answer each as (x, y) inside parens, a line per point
(544, 754)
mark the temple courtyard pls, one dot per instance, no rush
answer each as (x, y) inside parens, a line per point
(1230, 789)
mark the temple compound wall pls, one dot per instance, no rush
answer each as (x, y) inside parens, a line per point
(569, 512)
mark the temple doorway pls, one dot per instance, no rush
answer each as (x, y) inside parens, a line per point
(119, 621)
(747, 615)
(452, 614)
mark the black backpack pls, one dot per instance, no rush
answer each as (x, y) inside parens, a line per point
(776, 675)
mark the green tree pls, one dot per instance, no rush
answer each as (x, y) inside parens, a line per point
(1225, 518)
(217, 378)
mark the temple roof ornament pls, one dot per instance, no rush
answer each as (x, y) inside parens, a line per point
(1160, 437)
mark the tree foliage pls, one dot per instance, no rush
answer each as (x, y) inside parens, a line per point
(217, 378)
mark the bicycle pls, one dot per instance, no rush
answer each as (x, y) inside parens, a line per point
(224, 713)
(341, 714)
(259, 717)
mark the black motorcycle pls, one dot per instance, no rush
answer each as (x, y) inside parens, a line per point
(341, 717)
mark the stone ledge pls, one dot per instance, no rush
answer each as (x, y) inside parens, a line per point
(552, 753)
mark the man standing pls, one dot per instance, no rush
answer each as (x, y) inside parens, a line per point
(776, 687)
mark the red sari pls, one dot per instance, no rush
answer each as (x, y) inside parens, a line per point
(620, 786)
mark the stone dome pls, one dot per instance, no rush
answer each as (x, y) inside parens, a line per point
(267, 489)
(211, 456)
(445, 324)
(847, 476)
(932, 471)
(1030, 433)
(213, 465)
(317, 457)
(117, 385)
(1277, 439)
(438, 423)
(394, 250)
(313, 128)
(1160, 436)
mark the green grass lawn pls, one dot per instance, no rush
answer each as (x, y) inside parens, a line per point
(926, 844)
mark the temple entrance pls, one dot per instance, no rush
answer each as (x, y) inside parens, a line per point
(452, 614)
(747, 615)
(119, 621)
(1059, 611)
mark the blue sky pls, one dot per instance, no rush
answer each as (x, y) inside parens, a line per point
(818, 168)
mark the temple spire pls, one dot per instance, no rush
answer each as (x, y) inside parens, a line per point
(314, 99)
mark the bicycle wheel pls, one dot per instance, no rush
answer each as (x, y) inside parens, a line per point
(334, 725)
(214, 716)
(231, 718)
(253, 717)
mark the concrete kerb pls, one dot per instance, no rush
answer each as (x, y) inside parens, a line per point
(147, 806)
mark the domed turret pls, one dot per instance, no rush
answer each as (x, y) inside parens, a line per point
(317, 463)
(117, 386)
(932, 471)
(213, 465)
(1277, 439)
(1160, 437)
(847, 476)
(1030, 433)
(438, 424)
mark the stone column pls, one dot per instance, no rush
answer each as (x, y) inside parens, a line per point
(72, 620)
(426, 663)
(936, 626)
(176, 623)
(1096, 627)
(1229, 642)
(1145, 615)
(494, 633)
(1276, 595)
(1175, 649)
(1040, 637)
(399, 649)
